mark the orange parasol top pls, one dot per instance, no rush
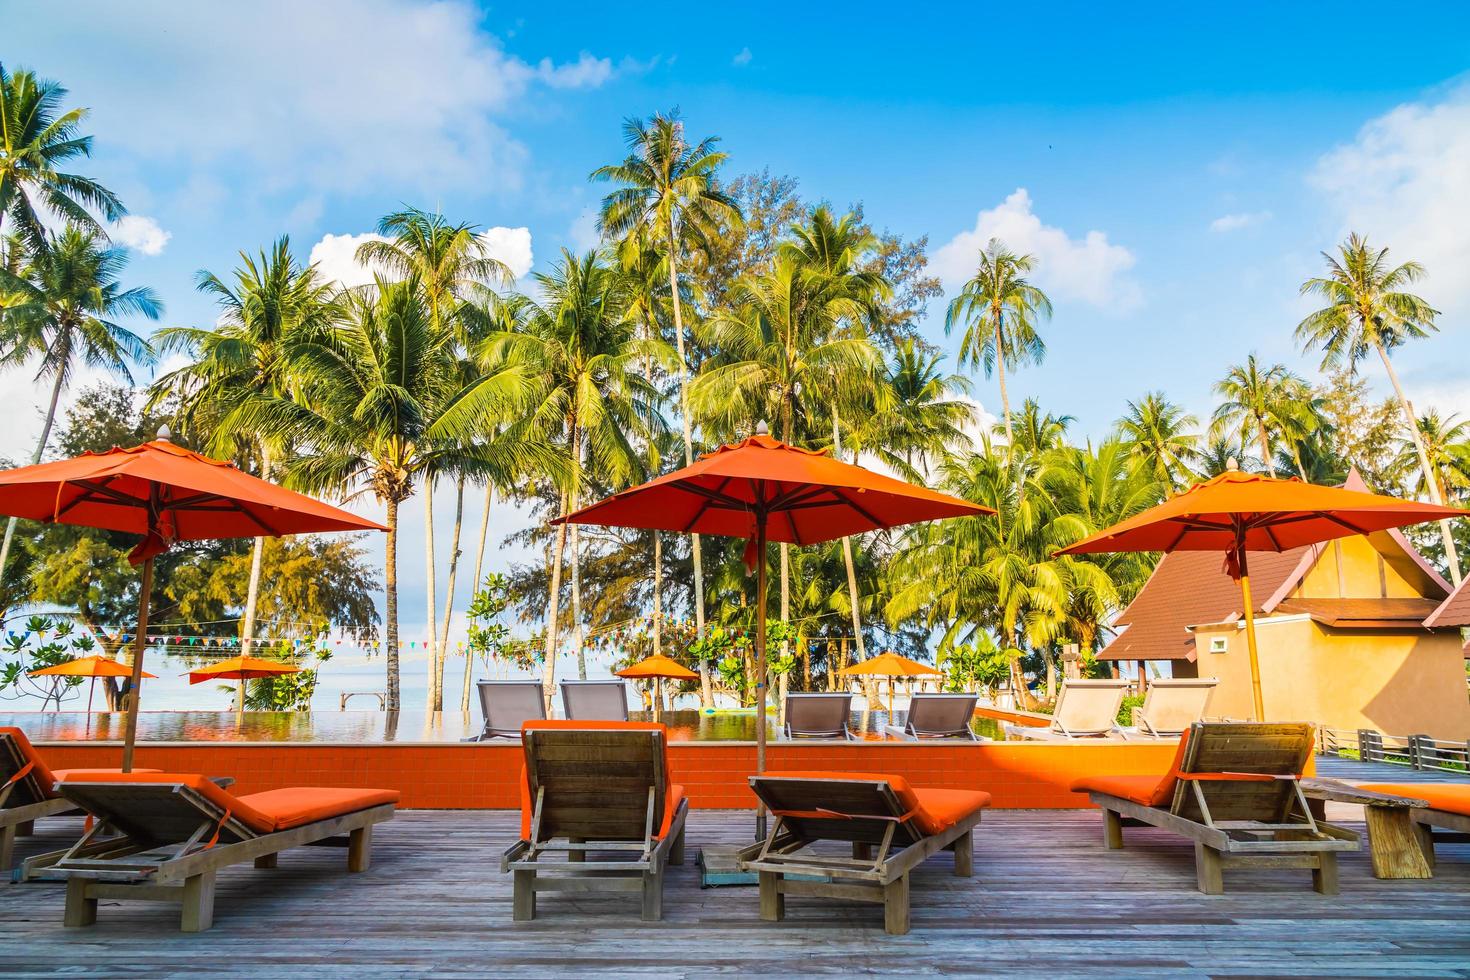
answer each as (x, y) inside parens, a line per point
(808, 496)
(1258, 513)
(658, 665)
(240, 669)
(93, 666)
(890, 664)
(167, 493)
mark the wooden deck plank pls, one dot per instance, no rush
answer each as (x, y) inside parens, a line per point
(1046, 898)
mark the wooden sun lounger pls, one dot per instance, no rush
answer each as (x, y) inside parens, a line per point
(507, 705)
(595, 786)
(164, 836)
(1171, 705)
(933, 716)
(600, 700)
(1445, 818)
(823, 715)
(1234, 789)
(27, 791)
(892, 828)
(1086, 708)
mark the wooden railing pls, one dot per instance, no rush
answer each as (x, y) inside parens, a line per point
(1413, 751)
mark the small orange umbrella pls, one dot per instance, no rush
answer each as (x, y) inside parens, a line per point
(242, 669)
(1239, 512)
(890, 664)
(94, 667)
(658, 667)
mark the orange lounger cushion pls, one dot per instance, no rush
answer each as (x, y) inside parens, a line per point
(60, 774)
(673, 795)
(1449, 797)
(256, 820)
(45, 778)
(307, 804)
(1143, 790)
(934, 810)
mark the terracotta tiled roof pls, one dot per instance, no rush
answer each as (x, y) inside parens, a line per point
(1455, 611)
(1362, 613)
(1189, 588)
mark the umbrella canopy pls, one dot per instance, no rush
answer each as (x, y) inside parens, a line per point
(891, 664)
(165, 493)
(658, 665)
(93, 666)
(765, 490)
(1236, 513)
(240, 669)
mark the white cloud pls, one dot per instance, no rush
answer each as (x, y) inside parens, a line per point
(355, 95)
(1404, 182)
(742, 59)
(1235, 222)
(336, 255)
(139, 233)
(1090, 269)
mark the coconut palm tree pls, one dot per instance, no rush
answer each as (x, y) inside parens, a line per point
(1446, 440)
(1000, 308)
(1369, 311)
(1033, 430)
(923, 418)
(61, 311)
(37, 137)
(579, 340)
(269, 298)
(1263, 403)
(669, 190)
(380, 400)
(1159, 436)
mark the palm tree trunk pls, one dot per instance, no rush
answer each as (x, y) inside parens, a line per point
(852, 589)
(1000, 373)
(435, 696)
(1266, 451)
(1431, 475)
(390, 603)
(469, 659)
(257, 560)
(577, 632)
(658, 593)
(553, 611)
(706, 690)
(35, 458)
(443, 648)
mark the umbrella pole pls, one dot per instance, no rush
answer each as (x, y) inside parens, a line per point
(91, 690)
(1250, 632)
(240, 703)
(760, 662)
(135, 683)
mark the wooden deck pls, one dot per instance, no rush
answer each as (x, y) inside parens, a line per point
(1046, 898)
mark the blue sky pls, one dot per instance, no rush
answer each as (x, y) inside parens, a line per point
(1176, 171)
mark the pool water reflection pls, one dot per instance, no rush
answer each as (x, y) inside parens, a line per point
(379, 726)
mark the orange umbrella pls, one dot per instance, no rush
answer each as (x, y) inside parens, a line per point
(242, 669)
(94, 667)
(1241, 512)
(658, 667)
(764, 490)
(166, 494)
(890, 664)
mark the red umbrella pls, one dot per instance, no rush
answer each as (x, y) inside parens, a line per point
(765, 490)
(166, 494)
(1240, 512)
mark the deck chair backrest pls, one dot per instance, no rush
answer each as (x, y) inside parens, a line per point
(1089, 706)
(169, 809)
(818, 714)
(595, 700)
(1172, 705)
(853, 809)
(507, 705)
(940, 714)
(1277, 749)
(16, 754)
(595, 779)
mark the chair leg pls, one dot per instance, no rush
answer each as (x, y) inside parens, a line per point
(1424, 833)
(964, 855)
(360, 849)
(1208, 870)
(1112, 829)
(576, 857)
(80, 909)
(653, 896)
(773, 902)
(523, 896)
(1324, 875)
(896, 906)
(267, 860)
(198, 911)
(676, 850)
(7, 847)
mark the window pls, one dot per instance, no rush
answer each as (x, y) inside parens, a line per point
(1219, 644)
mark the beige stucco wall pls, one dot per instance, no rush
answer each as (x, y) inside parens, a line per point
(1354, 568)
(1403, 682)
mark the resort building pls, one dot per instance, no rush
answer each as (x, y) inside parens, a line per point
(1357, 633)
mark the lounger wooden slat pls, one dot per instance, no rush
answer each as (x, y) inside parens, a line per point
(890, 829)
(590, 787)
(1234, 791)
